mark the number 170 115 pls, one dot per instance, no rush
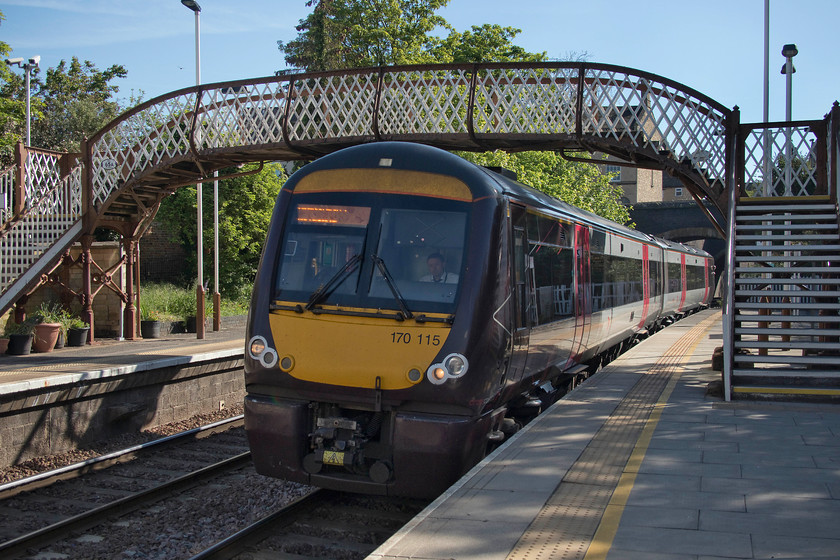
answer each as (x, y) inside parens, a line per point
(421, 339)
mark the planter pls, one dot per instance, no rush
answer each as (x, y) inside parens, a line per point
(46, 335)
(4, 345)
(59, 342)
(19, 344)
(77, 336)
(150, 329)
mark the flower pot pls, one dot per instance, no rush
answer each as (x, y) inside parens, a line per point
(60, 341)
(45, 336)
(150, 329)
(77, 336)
(4, 345)
(19, 344)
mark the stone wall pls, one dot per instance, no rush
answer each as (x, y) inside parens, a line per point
(51, 420)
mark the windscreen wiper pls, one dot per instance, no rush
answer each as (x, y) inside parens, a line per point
(380, 264)
(324, 290)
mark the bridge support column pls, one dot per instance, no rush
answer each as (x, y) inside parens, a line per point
(130, 311)
(87, 286)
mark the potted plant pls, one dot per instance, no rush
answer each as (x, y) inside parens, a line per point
(77, 332)
(20, 337)
(150, 322)
(47, 328)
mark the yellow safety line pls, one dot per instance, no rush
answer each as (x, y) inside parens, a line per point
(608, 527)
(786, 391)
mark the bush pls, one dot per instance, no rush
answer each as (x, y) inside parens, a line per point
(166, 302)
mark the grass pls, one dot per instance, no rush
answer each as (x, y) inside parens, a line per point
(167, 302)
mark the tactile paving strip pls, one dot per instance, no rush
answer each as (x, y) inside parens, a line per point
(564, 528)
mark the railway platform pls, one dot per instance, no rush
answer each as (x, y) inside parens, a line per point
(58, 401)
(640, 462)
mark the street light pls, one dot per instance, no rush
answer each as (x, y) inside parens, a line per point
(788, 51)
(28, 66)
(199, 290)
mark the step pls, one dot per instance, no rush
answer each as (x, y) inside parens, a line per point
(788, 247)
(783, 359)
(759, 305)
(786, 331)
(774, 241)
(773, 218)
(785, 270)
(788, 258)
(742, 207)
(781, 345)
(780, 373)
(756, 318)
(786, 281)
(788, 227)
(784, 391)
(788, 293)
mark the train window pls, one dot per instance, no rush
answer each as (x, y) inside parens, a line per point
(550, 247)
(674, 278)
(422, 251)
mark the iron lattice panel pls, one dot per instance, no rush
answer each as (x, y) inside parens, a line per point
(7, 190)
(405, 102)
(48, 218)
(42, 175)
(146, 139)
(766, 153)
(423, 102)
(649, 113)
(526, 101)
(332, 107)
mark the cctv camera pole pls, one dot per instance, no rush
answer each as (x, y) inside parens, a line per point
(27, 67)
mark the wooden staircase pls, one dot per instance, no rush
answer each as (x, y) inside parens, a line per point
(786, 299)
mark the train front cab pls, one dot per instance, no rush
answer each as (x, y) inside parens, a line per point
(375, 383)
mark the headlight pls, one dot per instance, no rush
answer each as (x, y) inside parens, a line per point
(259, 350)
(452, 367)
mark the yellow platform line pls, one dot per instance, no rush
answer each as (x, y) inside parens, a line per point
(608, 527)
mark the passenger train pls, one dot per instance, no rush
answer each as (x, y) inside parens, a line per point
(412, 310)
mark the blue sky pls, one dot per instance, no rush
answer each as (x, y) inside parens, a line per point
(713, 46)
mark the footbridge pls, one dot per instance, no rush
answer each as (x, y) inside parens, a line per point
(49, 201)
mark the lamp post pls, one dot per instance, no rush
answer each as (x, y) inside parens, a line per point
(199, 290)
(788, 51)
(27, 67)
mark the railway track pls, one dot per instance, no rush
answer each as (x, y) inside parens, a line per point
(74, 511)
(322, 524)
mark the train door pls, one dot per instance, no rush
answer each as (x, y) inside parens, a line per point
(523, 300)
(683, 285)
(645, 285)
(583, 291)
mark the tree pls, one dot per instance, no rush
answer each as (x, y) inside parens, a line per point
(353, 33)
(357, 33)
(245, 207)
(77, 100)
(483, 43)
(12, 109)
(578, 184)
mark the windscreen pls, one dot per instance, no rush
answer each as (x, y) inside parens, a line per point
(373, 251)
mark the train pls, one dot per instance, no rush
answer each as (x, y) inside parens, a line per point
(412, 310)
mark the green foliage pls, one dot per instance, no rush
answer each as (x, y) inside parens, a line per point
(73, 101)
(579, 184)
(76, 101)
(245, 206)
(356, 33)
(166, 302)
(483, 43)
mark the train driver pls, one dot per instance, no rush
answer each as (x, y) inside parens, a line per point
(437, 270)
